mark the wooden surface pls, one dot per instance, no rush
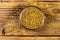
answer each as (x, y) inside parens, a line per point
(29, 38)
(27, 0)
(9, 20)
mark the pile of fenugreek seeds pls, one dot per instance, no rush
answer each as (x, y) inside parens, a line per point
(31, 17)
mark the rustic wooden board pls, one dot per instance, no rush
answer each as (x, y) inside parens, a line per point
(29, 38)
(27, 0)
(9, 18)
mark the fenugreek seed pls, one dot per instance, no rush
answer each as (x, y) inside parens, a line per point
(31, 17)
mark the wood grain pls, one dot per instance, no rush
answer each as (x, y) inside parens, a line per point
(9, 18)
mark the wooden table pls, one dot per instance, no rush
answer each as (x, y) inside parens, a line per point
(9, 19)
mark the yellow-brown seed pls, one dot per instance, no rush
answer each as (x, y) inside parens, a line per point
(31, 17)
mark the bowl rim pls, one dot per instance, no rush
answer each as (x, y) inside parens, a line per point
(43, 17)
